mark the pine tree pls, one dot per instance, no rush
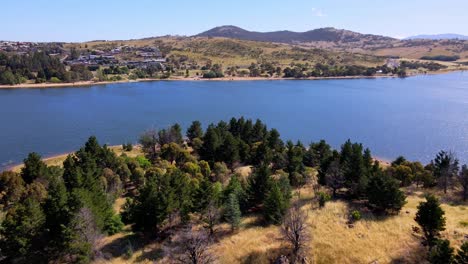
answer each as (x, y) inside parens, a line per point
(33, 168)
(21, 232)
(195, 131)
(384, 194)
(462, 254)
(430, 217)
(441, 253)
(275, 205)
(258, 185)
(445, 168)
(232, 212)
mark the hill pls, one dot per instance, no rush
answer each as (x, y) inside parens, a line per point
(439, 37)
(322, 34)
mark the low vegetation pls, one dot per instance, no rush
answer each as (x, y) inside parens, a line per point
(182, 201)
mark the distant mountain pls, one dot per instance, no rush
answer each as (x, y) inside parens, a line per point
(440, 36)
(321, 34)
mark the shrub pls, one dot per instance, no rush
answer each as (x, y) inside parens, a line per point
(55, 80)
(114, 225)
(144, 162)
(323, 198)
(356, 215)
(127, 147)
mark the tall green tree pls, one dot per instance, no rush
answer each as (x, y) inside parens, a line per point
(384, 194)
(232, 211)
(21, 233)
(195, 130)
(430, 217)
(275, 205)
(258, 185)
(33, 168)
(445, 168)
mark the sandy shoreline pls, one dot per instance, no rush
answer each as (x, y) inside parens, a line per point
(190, 79)
(197, 79)
(57, 160)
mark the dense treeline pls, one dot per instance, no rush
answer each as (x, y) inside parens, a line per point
(441, 58)
(59, 214)
(39, 67)
(414, 65)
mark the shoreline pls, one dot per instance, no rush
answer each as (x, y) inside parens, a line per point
(198, 79)
(52, 160)
(57, 159)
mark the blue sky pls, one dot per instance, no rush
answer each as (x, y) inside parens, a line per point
(71, 20)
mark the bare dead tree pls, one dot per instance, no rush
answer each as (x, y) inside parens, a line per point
(296, 232)
(87, 230)
(211, 217)
(194, 248)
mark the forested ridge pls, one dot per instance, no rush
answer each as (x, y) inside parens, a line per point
(59, 214)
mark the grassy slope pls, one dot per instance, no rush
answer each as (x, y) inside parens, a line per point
(231, 52)
(371, 239)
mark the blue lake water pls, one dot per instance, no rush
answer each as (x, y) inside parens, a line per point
(415, 117)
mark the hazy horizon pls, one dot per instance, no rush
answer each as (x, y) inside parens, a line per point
(86, 20)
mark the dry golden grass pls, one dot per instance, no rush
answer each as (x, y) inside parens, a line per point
(381, 239)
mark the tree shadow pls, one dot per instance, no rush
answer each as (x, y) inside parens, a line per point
(127, 245)
(264, 257)
(151, 255)
(413, 255)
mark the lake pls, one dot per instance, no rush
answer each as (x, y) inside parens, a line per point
(415, 117)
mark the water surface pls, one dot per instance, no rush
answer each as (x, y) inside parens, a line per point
(415, 117)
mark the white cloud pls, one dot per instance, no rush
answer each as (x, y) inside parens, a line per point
(318, 12)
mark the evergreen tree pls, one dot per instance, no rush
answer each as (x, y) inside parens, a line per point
(21, 233)
(384, 194)
(430, 217)
(230, 150)
(232, 212)
(295, 167)
(275, 205)
(258, 185)
(463, 180)
(441, 253)
(211, 144)
(334, 177)
(352, 162)
(33, 168)
(462, 254)
(58, 217)
(317, 154)
(274, 141)
(445, 168)
(195, 131)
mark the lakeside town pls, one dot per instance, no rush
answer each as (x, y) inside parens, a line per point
(35, 64)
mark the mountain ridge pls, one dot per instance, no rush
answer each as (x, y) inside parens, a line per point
(439, 36)
(327, 34)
